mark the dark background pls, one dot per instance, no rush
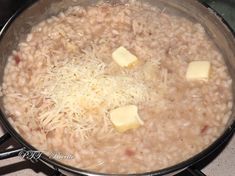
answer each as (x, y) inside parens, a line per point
(8, 7)
(225, 8)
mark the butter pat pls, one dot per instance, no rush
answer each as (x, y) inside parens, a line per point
(123, 57)
(125, 118)
(198, 70)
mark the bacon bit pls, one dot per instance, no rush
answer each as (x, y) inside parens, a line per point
(104, 9)
(204, 129)
(38, 129)
(17, 59)
(129, 152)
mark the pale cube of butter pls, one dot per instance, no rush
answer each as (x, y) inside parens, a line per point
(123, 57)
(198, 70)
(125, 118)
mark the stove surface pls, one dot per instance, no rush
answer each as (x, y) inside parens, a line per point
(221, 164)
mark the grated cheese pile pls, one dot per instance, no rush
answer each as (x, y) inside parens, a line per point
(79, 95)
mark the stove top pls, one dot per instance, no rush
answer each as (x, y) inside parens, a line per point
(220, 163)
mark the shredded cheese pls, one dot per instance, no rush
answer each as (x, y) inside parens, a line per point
(79, 95)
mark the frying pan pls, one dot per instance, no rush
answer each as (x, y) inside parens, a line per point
(35, 11)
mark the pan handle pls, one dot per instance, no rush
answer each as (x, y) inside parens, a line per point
(195, 172)
(56, 173)
(4, 138)
(191, 171)
(9, 152)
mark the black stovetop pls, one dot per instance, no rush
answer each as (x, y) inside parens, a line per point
(8, 7)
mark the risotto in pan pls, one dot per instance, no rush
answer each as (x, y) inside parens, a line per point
(124, 88)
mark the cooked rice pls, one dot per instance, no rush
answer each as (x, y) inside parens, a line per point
(181, 117)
